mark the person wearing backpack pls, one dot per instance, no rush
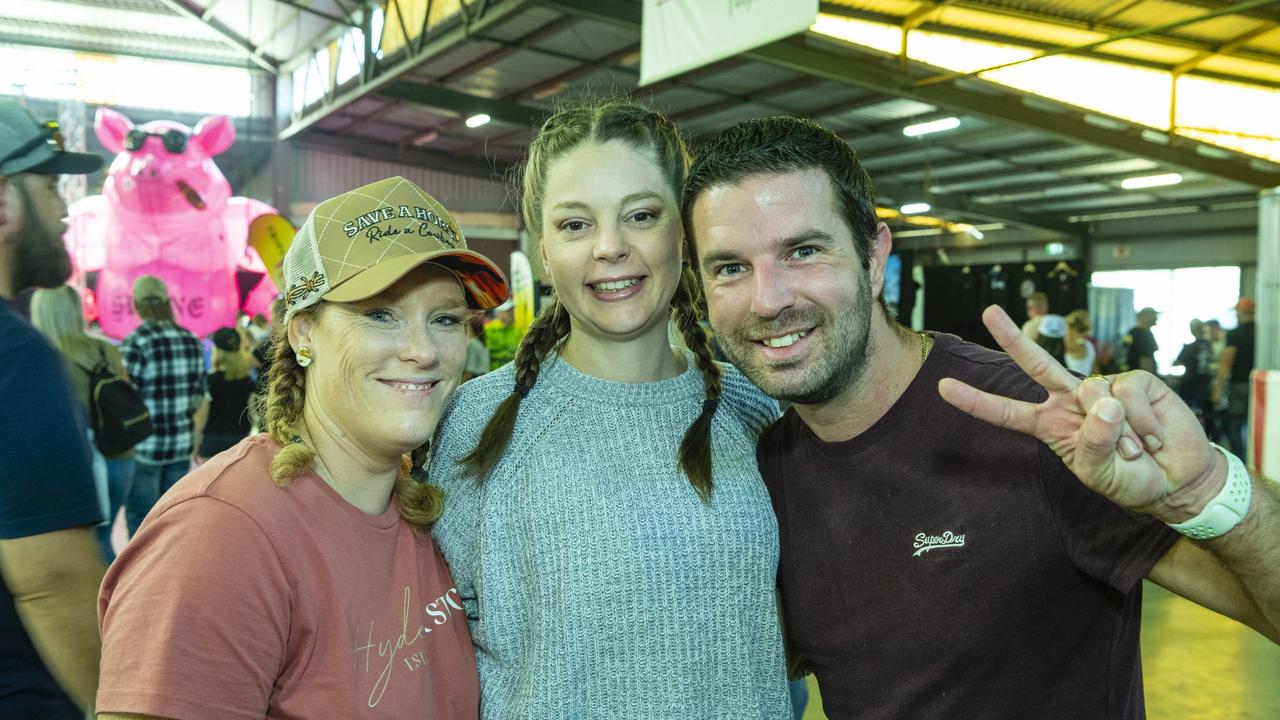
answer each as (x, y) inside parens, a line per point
(223, 420)
(58, 314)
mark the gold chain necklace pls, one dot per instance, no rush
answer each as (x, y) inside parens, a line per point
(926, 342)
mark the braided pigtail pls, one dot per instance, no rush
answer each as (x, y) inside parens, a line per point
(418, 502)
(695, 448)
(546, 331)
(286, 385)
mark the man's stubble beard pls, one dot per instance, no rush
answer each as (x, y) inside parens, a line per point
(40, 257)
(838, 364)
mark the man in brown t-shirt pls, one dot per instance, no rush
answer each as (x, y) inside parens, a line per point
(963, 532)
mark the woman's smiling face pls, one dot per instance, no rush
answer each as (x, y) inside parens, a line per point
(610, 241)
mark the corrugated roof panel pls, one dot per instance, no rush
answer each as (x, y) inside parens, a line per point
(1149, 51)
(1092, 202)
(520, 24)
(676, 100)
(588, 38)
(816, 96)
(444, 64)
(510, 74)
(900, 8)
(1228, 65)
(874, 161)
(1016, 196)
(1016, 26)
(1056, 155)
(939, 175)
(890, 109)
(1136, 165)
(745, 78)
(296, 38)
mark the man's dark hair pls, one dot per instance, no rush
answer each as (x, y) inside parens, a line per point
(784, 144)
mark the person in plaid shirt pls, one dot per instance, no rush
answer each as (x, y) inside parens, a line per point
(166, 363)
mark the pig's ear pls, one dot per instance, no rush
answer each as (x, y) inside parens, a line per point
(111, 127)
(215, 134)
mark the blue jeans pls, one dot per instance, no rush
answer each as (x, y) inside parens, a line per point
(119, 476)
(1238, 418)
(150, 481)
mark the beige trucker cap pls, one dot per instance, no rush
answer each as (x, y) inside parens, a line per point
(354, 246)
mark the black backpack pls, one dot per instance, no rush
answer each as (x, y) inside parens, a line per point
(117, 414)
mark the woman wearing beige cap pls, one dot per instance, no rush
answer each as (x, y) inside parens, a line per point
(292, 576)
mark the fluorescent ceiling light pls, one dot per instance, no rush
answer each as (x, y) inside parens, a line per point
(916, 208)
(933, 126)
(1150, 181)
(1055, 249)
(476, 121)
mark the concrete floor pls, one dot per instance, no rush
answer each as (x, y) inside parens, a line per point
(1197, 665)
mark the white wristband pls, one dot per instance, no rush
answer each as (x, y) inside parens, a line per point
(1225, 510)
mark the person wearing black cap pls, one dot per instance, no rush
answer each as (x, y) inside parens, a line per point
(223, 419)
(1140, 344)
(50, 564)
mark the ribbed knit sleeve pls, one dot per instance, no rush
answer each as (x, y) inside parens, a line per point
(597, 583)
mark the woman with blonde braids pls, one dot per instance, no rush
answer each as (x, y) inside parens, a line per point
(608, 530)
(293, 576)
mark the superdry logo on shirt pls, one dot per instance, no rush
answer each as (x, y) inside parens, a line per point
(924, 543)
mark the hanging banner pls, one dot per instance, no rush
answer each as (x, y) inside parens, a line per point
(271, 236)
(522, 290)
(677, 36)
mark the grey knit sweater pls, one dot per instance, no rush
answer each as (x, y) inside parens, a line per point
(596, 582)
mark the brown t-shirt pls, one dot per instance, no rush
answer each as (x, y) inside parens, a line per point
(241, 599)
(939, 567)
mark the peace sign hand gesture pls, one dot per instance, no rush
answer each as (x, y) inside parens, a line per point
(1095, 424)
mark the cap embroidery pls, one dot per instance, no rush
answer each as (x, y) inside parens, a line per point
(304, 287)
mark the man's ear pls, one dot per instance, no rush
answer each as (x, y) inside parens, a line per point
(881, 246)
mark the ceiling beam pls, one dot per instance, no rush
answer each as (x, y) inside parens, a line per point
(405, 61)
(1235, 42)
(1202, 205)
(1129, 35)
(1113, 9)
(737, 101)
(846, 63)
(626, 15)
(504, 51)
(964, 157)
(306, 8)
(462, 104)
(191, 10)
(955, 203)
(922, 14)
(136, 49)
(535, 91)
(1010, 174)
(1098, 54)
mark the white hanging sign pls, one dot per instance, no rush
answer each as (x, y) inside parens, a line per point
(679, 35)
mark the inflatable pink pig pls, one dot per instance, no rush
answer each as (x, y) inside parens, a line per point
(166, 210)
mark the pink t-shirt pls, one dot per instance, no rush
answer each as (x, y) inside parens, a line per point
(238, 598)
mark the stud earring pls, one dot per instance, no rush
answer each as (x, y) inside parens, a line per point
(304, 356)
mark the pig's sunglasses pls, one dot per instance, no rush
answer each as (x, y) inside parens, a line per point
(175, 141)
